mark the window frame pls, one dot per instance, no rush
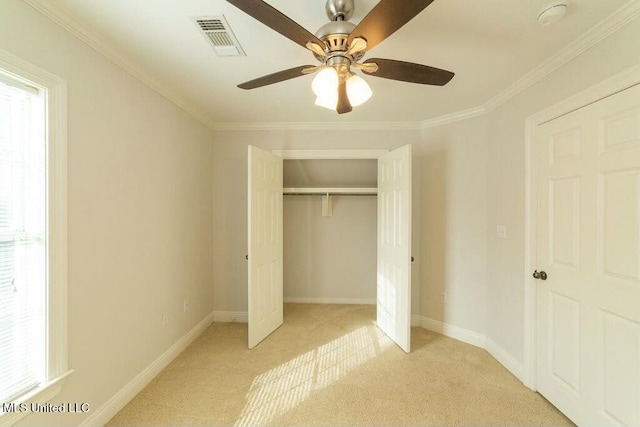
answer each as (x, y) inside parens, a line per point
(55, 90)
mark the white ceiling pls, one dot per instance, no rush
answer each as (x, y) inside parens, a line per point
(489, 44)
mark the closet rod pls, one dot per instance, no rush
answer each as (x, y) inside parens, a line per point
(355, 191)
(329, 194)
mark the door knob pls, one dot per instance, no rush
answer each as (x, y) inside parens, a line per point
(540, 275)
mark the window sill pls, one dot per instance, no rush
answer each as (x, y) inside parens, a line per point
(40, 395)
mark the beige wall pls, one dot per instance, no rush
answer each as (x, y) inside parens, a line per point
(330, 258)
(454, 216)
(140, 210)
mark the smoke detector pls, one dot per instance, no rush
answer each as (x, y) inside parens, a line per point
(552, 14)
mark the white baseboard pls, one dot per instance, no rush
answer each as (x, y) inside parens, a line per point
(505, 359)
(112, 406)
(451, 331)
(230, 317)
(303, 300)
(473, 338)
(416, 321)
(243, 317)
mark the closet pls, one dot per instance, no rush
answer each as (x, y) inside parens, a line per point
(393, 234)
(329, 211)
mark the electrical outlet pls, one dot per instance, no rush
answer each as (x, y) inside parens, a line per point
(501, 232)
(443, 295)
(165, 319)
(186, 304)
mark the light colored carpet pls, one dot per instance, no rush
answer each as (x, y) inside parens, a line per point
(330, 365)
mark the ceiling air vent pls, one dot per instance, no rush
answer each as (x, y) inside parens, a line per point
(217, 31)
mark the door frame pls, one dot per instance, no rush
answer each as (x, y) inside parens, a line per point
(609, 87)
(336, 154)
(329, 154)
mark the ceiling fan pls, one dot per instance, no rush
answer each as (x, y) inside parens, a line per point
(340, 45)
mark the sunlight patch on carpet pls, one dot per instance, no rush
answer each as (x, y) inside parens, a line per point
(284, 387)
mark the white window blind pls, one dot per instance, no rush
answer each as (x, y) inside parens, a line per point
(23, 235)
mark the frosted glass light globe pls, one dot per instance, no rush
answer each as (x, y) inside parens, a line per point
(358, 90)
(330, 102)
(325, 82)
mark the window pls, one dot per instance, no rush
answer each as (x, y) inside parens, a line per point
(33, 236)
(23, 238)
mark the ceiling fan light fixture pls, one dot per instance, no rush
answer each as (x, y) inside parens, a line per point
(326, 81)
(358, 90)
(340, 45)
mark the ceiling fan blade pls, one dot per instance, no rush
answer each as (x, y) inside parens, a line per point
(317, 49)
(369, 67)
(385, 19)
(277, 21)
(409, 72)
(278, 77)
(344, 106)
(313, 69)
(358, 45)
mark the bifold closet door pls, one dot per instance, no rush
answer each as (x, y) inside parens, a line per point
(265, 244)
(394, 246)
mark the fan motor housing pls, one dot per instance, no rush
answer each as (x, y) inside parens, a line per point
(335, 34)
(335, 28)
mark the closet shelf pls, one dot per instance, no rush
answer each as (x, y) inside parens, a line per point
(330, 190)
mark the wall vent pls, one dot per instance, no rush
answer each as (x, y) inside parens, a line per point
(218, 32)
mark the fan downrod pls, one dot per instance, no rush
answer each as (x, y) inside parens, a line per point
(339, 10)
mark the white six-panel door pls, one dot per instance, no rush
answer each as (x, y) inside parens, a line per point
(394, 246)
(588, 310)
(265, 244)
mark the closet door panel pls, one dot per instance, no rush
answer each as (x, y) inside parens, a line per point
(394, 246)
(265, 244)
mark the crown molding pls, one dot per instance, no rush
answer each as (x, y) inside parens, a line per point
(64, 19)
(306, 126)
(595, 35)
(605, 28)
(453, 117)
